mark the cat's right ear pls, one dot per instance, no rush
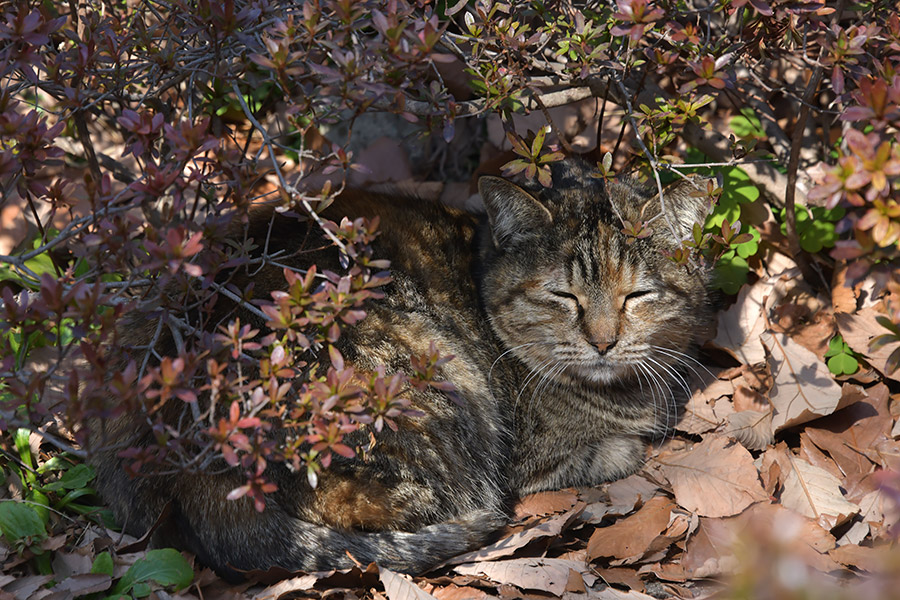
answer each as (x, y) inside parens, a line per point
(512, 211)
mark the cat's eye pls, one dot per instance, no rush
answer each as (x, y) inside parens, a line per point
(635, 295)
(569, 297)
(566, 295)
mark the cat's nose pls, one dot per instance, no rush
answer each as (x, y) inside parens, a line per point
(603, 346)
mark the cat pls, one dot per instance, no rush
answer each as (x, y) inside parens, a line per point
(569, 338)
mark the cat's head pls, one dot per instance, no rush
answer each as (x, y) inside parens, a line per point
(568, 292)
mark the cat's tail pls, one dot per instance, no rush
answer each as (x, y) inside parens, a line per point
(278, 540)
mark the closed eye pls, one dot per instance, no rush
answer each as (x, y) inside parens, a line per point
(570, 298)
(566, 295)
(637, 294)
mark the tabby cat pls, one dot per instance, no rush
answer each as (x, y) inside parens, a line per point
(568, 337)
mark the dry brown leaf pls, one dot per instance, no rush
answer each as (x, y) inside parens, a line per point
(294, 584)
(861, 557)
(81, 585)
(400, 587)
(716, 478)
(614, 594)
(741, 325)
(622, 576)
(23, 587)
(632, 536)
(753, 429)
(769, 471)
(858, 330)
(851, 436)
(856, 534)
(804, 388)
(545, 503)
(455, 592)
(816, 493)
(887, 452)
(698, 416)
(626, 493)
(843, 296)
(510, 544)
(711, 551)
(544, 574)
(723, 546)
(810, 453)
(575, 583)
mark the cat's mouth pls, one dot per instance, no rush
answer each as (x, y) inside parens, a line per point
(602, 370)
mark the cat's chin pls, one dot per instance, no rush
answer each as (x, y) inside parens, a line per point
(605, 373)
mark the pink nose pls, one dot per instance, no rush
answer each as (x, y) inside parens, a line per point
(603, 345)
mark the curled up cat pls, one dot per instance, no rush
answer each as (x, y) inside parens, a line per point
(570, 339)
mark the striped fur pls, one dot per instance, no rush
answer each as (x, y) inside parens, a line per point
(569, 345)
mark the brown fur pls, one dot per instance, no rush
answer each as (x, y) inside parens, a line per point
(569, 345)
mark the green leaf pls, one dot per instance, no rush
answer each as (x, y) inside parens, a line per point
(20, 523)
(747, 125)
(73, 479)
(164, 567)
(835, 346)
(730, 273)
(103, 564)
(843, 364)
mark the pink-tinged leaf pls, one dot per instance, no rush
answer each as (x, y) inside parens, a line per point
(238, 492)
(278, 355)
(837, 80)
(337, 360)
(762, 7)
(440, 57)
(343, 450)
(857, 113)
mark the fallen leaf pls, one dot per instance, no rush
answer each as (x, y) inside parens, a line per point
(24, 587)
(294, 584)
(861, 557)
(859, 329)
(712, 550)
(753, 429)
(81, 585)
(575, 583)
(614, 594)
(621, 576)
(803, 388)
(400, 587)
(851, 435)
(545, 503)
(455, 592)
(843, 296)
(742, 324)
(716, 478)
(544, 574)
(629, 492)
(816, 493)
(632, 536)
(520, 539)
(810, 453)
(856, 534)
(728, 545)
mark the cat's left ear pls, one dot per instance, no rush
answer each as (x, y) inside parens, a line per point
(512, 212)
(686, 202)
